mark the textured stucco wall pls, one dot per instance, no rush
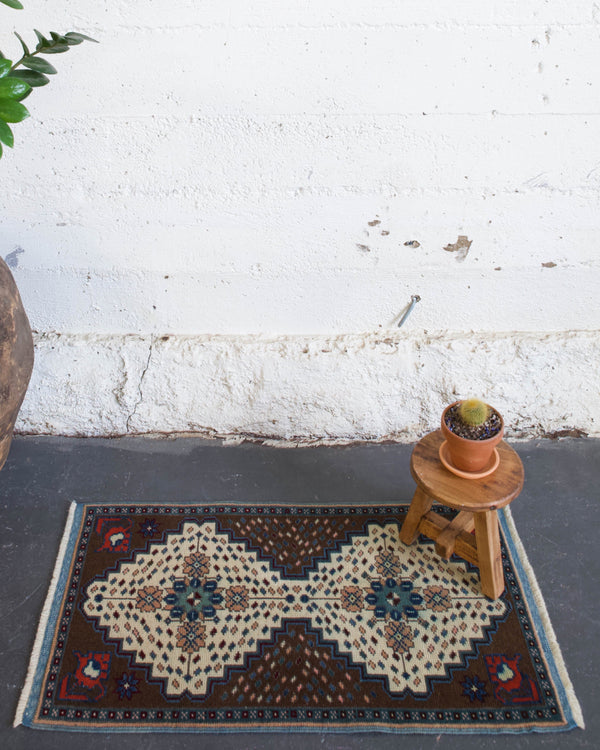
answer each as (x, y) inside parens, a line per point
(309, 388)
(267, 184)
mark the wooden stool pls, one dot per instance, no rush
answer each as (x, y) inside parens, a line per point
(477, 501)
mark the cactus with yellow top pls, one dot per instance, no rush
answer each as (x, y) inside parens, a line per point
(473, 412)
(473, 419)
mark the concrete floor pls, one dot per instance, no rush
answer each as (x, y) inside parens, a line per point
(556, 515)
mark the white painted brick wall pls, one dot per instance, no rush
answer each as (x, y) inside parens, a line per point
(212, 171)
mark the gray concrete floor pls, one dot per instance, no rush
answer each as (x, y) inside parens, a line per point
(556, 516)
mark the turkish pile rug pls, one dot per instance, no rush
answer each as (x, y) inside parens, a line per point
(255, 618)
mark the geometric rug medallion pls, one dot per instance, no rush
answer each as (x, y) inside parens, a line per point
(259, 618)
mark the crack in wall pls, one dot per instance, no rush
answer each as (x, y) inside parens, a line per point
(140, 394)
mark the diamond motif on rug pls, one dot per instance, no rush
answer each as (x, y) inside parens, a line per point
(192, 606)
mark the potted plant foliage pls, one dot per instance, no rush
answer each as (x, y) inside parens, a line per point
(17, 79)
(471, 429)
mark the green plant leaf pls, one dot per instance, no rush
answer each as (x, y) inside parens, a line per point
(12, 111)
(56, 49)
(12, 4)
(25, 47)
(32, 77)
(42, 41)
(38, 64)
(5, 66)
(6, 135)
(13, 88)
(58, 38)
(74, 37)
(52, 46)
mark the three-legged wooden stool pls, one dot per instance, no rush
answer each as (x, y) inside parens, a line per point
(477, 501)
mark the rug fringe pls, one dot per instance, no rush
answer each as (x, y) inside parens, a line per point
(546, 623)
(39, 638)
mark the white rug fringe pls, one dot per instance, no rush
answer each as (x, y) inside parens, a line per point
(39, 639)
(545, 619)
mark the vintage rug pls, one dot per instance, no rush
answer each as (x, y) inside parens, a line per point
(255, 618)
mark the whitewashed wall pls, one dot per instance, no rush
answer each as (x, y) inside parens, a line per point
(267, 184)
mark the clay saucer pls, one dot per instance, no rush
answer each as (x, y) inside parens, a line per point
(490, 468)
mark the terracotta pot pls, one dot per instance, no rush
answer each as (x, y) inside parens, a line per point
(470, 455)
(16, 357)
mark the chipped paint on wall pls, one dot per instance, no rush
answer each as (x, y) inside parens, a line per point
(461, 247)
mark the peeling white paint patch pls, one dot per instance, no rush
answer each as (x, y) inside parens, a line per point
(304, 389)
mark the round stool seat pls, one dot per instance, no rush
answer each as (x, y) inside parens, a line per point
(490, 493)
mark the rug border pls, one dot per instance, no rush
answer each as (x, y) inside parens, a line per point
(533, 599)
(49, 613)
(539, 613)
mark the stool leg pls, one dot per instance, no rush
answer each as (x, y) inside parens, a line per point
(487, 536)
(419, 505)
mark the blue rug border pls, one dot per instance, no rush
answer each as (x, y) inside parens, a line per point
(70, 542)
(524, 571)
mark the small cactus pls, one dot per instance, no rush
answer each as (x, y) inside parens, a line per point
(473, 412)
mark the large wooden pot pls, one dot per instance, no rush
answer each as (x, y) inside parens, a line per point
(16, 357)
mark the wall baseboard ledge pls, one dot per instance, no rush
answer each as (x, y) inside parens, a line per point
(386, 386)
